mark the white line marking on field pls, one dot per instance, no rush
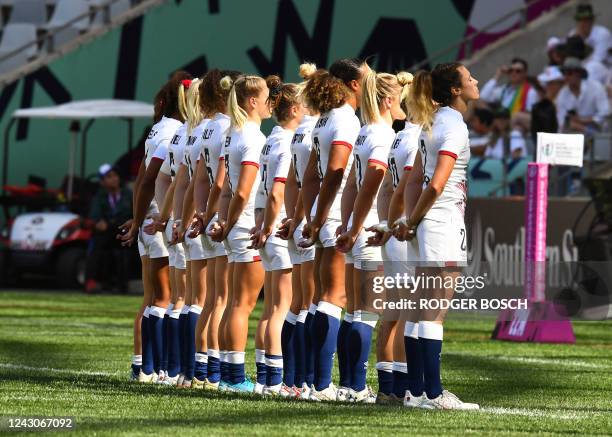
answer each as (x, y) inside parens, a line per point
(52, 370)
(535, 413)
(531, 360)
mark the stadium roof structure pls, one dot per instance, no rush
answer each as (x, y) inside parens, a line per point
(89, 109)
(86, 110)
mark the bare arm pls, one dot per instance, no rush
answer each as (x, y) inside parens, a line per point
(431, 193)
(384, 197)
(374, 176)
(246, 180)
(146, 192)
(291, 192)
(213, 205)
(201, 188)
(182, 182)
(348, 198)
(336, 166)
(310, 185)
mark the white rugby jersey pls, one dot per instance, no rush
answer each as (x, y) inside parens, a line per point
(403, 151)
(213, 142)
(160, 136)
(301, 144)
(156, 146)
(372, 146)
(339, 126)
(449, 136)
(275, 161)
(176, 149)
(243, 147)
(194, 147)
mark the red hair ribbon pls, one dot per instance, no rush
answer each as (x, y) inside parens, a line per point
(186, 83)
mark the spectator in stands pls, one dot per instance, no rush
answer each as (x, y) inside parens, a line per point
(551, 80)
(575, 47)
(480, 123)
(518, 96)
(506, 141)
(544, 113)
(595, 35)
(554, 50)
(582, 103)
(111, 206)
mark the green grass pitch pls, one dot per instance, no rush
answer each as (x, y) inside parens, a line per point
(66, 354)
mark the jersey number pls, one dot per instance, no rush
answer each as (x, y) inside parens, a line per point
(211, 179)
(264, 178)
(358, 170)
(317, 147)
(394, 173)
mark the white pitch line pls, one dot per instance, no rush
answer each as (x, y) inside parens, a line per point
(52, 370)
(535, 413)
(531, 360)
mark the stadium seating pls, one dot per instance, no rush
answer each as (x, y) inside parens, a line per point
(14, 36)
(29, 11)
(23, 21)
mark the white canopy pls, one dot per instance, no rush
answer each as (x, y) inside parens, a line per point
(84, 109)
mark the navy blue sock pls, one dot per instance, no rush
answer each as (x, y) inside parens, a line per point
(385, 377)
(156, 325)
(400, 380)
(201, 366)
(308, 350)
(174, 344)
(324, 339)
(299, 349)
(274, 370)
(359, 342)
(260, 365)
(166, 345)
(288, 356)
(214, 366)
(183, 325)
(147, 345)
(235, 367)
(430, 342)
(190, 349)
(223, 366)
(344, 366)
(414, 361)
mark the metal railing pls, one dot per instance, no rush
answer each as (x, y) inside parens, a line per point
(468, 41)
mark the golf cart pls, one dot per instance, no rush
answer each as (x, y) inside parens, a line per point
(46, 231)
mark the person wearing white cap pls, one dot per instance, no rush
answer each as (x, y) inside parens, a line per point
(551, 80)
(582, 103)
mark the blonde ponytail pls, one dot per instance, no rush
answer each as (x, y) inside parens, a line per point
(374, 88)
(420, 102)
(405, 80)
(182, 99)
(240, 90)
(370, 112)
(193, 108)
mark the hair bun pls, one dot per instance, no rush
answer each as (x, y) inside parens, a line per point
(404, 78)
(274, 82)
(307, 70)
(226, 82)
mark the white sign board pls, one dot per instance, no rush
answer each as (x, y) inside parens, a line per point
(560, 149)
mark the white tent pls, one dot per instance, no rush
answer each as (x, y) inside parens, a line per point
(84, 109)
(81, 110)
